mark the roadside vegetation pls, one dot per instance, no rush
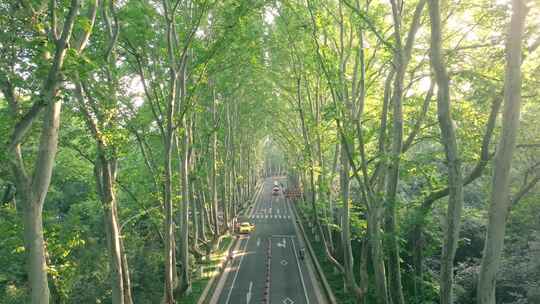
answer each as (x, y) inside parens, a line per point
(332, 275)
(205, 270)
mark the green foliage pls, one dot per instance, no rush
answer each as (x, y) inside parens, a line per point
(285, 79)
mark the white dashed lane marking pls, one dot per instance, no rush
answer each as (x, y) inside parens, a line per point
(270, 216)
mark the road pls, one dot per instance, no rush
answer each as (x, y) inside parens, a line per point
(266, 266)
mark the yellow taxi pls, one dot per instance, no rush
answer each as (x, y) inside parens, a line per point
(246, 227)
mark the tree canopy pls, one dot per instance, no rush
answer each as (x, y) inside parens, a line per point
(136, 132)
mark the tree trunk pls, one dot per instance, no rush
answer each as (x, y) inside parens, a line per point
(214, 199)
(364, 274)
(499, 198)
(203, 215)
(226, 198)
(33, 204)
(377, 255)
(35, 247)
(448, 138)
(195, 211)
(417, 252)
(184, 280)
(311, 160)
(390, 225)
(105, 166)
(113, 244)
(375, 208)
(207, 208)
(105, 173)
(33, 189)
(168, 133)
(128, 298)
(417, 239)
(168, 224)
(348, 260)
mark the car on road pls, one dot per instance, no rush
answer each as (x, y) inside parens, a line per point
(275, 190)
(246, 227)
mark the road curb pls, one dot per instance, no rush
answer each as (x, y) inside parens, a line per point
(210, 285)
(327, 289)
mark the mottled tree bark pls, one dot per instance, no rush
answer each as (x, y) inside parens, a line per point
(348, 260)
(32, 189)
(391, 243)
(213, 178)
(499, 197)
(184, 279)
(105, 174)
(449, 141)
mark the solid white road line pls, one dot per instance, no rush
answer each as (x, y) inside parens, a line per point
(258, 203)
(282, 236)
(248, 294)
(300, 271)
(311, 272)
(223, 279)
(237, 271)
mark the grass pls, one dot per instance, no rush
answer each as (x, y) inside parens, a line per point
(210, 269)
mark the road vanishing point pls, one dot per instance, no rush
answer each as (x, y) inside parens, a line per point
(265, 265)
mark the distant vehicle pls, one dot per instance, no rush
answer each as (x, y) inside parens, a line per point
(246, 227)
(275, 190)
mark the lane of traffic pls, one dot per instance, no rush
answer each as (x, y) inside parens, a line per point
(240, 286)
(287, 280)
(287, 283)
(305, 273)
(288, 275)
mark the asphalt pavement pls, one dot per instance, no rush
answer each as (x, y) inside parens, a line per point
(266, 266)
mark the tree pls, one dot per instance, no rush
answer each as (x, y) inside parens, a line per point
(173, 111)
(500, 197)
(101, 115)
(32, 189)
(448, 138)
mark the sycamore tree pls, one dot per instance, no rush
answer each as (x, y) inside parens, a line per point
(410, 127)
